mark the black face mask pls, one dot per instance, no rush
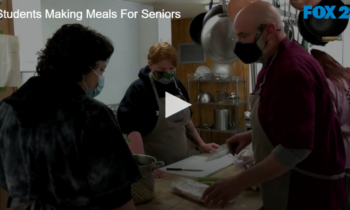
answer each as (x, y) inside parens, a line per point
(249, 52)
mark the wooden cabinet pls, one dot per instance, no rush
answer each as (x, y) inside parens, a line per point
(6, 25)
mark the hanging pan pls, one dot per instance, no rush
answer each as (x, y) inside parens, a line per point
(217, 10)
(311, 37)
(217, 38)
(299, 4)
(326, 27)
(196, 27)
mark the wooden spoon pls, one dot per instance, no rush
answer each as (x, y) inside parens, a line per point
(299, 4)
(234, 6)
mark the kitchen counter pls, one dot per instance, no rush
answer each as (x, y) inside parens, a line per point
(166, 200)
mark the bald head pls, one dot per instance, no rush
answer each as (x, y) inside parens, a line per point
(258, 23)
(255, 14)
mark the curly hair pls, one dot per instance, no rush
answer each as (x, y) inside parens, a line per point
(72, 51)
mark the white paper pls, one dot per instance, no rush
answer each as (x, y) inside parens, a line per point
(10, 75)
(189, 188)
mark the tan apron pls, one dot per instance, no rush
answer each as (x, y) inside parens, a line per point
(168, 142)
(275, 193)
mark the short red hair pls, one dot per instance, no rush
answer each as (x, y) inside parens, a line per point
(162, 51)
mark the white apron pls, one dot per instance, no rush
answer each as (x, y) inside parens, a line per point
(168, 142)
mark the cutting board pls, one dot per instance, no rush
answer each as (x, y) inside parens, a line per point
(198, 162)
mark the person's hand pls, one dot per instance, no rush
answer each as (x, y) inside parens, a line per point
(158, 174)
(209, 147)
(222, 192)
(242, 140)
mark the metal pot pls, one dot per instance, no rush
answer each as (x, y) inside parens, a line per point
(217, 38)
(224, 70)
(223, 119)
(203, 98)
(144, 189)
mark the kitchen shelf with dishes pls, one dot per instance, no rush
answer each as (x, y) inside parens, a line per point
(228, 104)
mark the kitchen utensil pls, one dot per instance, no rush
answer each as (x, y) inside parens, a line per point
(299, 4)
(325, 27)
(311, 37)
(234, 6)
(181, 169)
(143, 189)
(276, 3)
(222, 151)
(223, 119)
(247, 115)
(296, 18)
(217, 38)
(196, 27)
(203, 98)
(217, 10)
(225, 70)
(285, 21)
(291, 26)
(195, 76)
(232, 97)
(203, 71)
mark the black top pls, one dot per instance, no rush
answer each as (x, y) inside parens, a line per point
(138, 109)
(63, 148)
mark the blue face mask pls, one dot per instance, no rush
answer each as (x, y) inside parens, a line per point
(93, 92)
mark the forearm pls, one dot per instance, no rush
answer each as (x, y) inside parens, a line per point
(136, 143)
(193, 135)
(277, 163)
(266, 170)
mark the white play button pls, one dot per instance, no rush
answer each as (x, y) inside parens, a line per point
(174, 104)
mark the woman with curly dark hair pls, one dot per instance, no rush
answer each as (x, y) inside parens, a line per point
(59, 147)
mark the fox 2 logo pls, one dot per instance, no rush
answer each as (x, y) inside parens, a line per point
(326, 12)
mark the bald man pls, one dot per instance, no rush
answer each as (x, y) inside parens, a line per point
(297, 141)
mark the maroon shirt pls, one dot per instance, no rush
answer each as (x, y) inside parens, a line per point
(296, 111)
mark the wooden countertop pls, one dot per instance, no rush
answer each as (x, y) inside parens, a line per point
(166, 200)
